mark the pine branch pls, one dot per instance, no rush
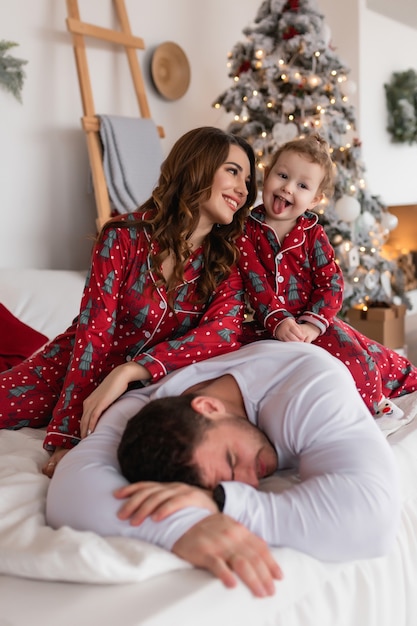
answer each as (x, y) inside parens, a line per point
(12, 75)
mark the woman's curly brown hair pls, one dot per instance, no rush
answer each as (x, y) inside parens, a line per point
(185, 182)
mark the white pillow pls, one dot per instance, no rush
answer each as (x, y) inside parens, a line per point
(46, 300)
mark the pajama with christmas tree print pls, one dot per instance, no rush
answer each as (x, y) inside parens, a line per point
(299, 278)
(125, 315)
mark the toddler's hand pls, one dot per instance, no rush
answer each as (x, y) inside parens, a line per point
(289, 330)
(310, 332)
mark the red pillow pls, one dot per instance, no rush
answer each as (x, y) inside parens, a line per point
(17, 340)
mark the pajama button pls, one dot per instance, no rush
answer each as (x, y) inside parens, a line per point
(128, 358)
(162, 305)
(147, 334)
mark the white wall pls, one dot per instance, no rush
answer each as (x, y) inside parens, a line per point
(392, 47)
(47, 209)
(374, 47)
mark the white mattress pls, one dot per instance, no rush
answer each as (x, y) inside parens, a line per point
(138, 584)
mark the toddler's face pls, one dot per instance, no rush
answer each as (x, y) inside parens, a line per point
(291, 187)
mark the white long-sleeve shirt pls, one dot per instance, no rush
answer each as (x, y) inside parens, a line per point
(346, 504)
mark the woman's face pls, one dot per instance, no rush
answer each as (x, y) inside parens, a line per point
(229, 190)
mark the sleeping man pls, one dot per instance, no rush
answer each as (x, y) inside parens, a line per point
(227, 423)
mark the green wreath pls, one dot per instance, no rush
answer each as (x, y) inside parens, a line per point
(401, 96)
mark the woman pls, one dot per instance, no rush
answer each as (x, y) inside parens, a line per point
(163, 291)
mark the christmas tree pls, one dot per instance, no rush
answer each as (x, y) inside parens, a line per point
(288, 81)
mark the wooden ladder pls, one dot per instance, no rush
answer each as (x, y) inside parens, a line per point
(90, 121)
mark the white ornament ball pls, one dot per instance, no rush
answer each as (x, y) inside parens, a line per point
(389, 221)
(347, 208)
(282, 133)
(366, 220)
(348, 88)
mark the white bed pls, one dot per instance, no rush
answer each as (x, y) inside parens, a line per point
(68, 577)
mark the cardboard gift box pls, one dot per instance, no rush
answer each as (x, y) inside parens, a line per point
(382, 324)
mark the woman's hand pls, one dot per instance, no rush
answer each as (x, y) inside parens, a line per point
(111, 388)
(159, 500)
(49, 468)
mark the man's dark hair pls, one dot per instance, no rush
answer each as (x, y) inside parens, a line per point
(159, 442)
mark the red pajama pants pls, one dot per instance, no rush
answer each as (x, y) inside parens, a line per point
(30, 390)
(378, 371)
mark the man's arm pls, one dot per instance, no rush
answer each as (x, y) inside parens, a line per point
(347, 503)
(81, 491)
(81, 495)
(334, 516)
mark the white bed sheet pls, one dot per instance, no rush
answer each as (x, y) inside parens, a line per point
(108, 581)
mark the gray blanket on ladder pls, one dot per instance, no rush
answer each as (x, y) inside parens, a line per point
(132, 156)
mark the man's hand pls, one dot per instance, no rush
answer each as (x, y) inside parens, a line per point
(111, 388)
(226, 548)
(217, 543)
(159, 500)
